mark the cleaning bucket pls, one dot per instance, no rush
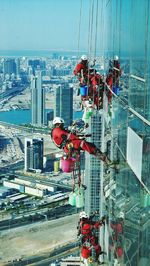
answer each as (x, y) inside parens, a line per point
(67, 165)
(83, 91)
(56, 166)
(85, 252)
(89, 113)
(72, 198)
(79, 200)
(116, 90)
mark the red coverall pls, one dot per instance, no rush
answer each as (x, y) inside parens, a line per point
(86, 229)
(96, 80)
(81, 70)
(86, 251)
(59, 134)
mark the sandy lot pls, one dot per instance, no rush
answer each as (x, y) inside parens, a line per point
(23, 101)
(36, 238)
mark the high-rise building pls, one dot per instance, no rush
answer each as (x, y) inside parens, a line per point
(126, 193)
(49, 116)
(9, 66)
(37, 64)
(18, 66)
(64, 103)
(92, 166)
(37, 100)
(33, 153)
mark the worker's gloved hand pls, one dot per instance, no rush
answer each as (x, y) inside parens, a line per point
(88, 135)
(96, 88)
(103, 219)
(79, 237)
(86, 125)
(74, 123)
(82, 80)
(78, 75)
(64, 137)
(81, 137)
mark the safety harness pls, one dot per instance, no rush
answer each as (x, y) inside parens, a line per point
(64, 142)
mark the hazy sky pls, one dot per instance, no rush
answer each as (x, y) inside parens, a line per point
(43, 24)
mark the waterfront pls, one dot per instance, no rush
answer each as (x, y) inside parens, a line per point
(24, 116)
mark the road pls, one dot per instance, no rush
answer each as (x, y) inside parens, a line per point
(9, 169)
(36, 216)
(12, 92)
(46, 259)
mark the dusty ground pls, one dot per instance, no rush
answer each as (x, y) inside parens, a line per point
(23, 101)
(10, 149)
(36, 238)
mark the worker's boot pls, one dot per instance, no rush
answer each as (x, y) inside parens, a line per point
(110, 164)
(103, 157)
(100, 155)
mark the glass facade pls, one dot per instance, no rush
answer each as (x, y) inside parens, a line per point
(127, 189)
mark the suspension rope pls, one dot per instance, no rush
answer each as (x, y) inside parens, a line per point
(89, 27)
(91, 32)
(96, 29)
(79, 30)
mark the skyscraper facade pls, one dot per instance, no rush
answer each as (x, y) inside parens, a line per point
(37, 99)
(92, 166)
(64, 103)
(33, 153)
(126, 197)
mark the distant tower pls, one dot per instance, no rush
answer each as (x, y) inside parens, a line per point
(9, 66)
(38, 100)
(37, 64)
(17, 67)
(33, 153)
(64, 103)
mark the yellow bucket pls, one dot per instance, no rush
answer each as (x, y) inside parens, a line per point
(56, 166)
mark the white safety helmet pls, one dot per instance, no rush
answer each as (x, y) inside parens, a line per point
(116, 57)
(58, 120)
(84, 57)
(83, 215)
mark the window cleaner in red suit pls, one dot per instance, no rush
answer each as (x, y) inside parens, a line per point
(64, 139)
